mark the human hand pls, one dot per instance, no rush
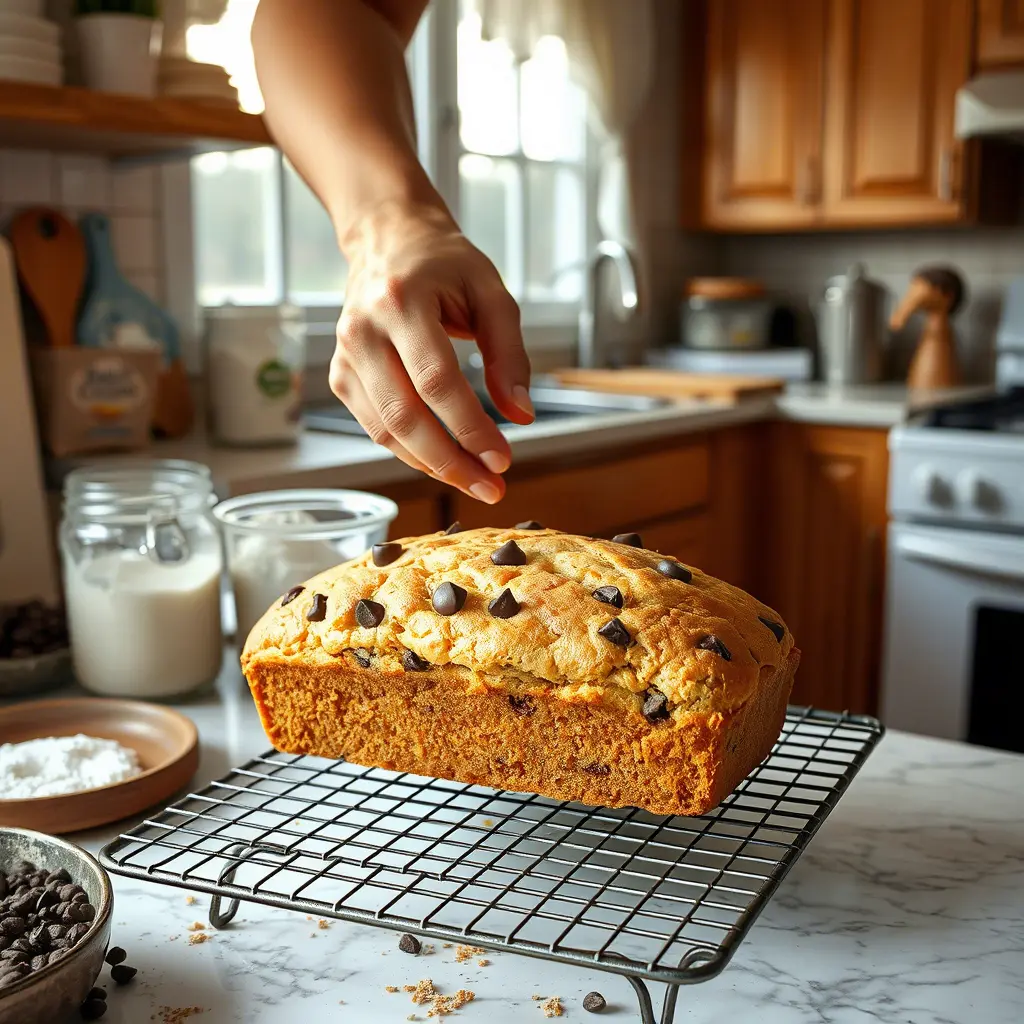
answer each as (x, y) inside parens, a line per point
(414, 282)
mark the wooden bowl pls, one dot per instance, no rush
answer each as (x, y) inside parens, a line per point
(166, 742)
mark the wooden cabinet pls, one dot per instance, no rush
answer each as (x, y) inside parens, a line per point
(894, 68)
(762, 153)
(824, 557)
(1000, 35)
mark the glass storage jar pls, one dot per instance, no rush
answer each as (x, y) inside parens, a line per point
(142, 568)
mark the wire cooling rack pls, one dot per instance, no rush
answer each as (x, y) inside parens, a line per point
(658, 898)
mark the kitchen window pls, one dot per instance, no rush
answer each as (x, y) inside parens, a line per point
(505, 141)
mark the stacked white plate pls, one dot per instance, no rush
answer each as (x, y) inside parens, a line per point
(29, 44)
(188, 79)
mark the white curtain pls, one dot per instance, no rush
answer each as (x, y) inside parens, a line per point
(610, 48)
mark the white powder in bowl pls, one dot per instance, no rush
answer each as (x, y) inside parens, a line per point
(58, 765)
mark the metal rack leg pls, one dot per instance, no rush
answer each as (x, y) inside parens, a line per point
(668, 1008)
(222, 918)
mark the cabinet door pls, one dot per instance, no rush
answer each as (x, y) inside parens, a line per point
(894, 68)
(684, 538)
(762, 148)
(824, 563)
(1000, 33)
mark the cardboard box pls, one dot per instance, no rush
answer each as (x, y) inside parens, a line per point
(93, 399)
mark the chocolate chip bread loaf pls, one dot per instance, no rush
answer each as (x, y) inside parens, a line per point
(528, 660)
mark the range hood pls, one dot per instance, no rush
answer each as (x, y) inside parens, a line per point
(991, 104)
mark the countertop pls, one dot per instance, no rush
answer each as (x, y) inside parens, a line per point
(336, 460)
(907, 908)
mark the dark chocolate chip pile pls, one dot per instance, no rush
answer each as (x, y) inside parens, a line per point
(30, 629)
(43, 914)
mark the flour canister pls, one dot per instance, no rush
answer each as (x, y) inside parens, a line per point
(255, 357)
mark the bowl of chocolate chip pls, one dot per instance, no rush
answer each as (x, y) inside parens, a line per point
(55, 910)
(34, 653)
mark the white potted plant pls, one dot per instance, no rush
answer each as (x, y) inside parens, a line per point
(120, 44)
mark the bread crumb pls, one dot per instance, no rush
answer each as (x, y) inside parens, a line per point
(483, 963)
(196, 926)
(176, 1014)
(464, 953)
(423, 991)
(390, 988)
(553, 1007)
(191, 901)
(447, 945)
(488, 822)
(323, 925)
(538, 999)
(443, 1005)
(408, 988)
(198, 939)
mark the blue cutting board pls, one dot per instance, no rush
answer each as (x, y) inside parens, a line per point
(116, 313)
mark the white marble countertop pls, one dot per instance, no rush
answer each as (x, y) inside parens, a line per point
(907, 908)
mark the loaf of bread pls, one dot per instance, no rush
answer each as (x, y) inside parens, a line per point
(528, 660)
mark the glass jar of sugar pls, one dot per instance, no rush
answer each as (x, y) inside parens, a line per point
(276, 540)
(142, 567)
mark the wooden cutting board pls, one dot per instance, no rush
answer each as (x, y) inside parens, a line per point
(641, 380)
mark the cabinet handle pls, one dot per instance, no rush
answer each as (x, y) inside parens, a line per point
(946, 174)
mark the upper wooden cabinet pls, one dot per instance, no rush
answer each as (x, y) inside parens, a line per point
(839, 114)
(1000, 36)
(762, 156)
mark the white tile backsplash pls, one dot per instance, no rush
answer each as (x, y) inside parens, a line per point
(83, 183)
(135, 242)
(27, 177)
(133, 189)
(147, 281)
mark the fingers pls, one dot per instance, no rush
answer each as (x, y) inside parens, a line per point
(500, 339)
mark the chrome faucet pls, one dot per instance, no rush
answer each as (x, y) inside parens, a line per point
(590, 350)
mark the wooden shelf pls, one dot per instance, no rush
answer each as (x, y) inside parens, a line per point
(72, 118)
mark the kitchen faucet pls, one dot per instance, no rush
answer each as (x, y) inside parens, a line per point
(590, 350)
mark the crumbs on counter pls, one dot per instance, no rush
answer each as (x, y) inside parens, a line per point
(422, 992)
(553, 1007)
(483, 963)
(176, 1014)
(323, 925)
(538, 999)
(196, 926)
(464, 953)
(390, 988)
(191, 901)
(443, 1005)
(198, 938)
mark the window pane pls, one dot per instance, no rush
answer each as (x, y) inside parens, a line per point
(491, 197)
(316, 270)
(487, 86)
(554, 108)
(556, 233)
(236, 227)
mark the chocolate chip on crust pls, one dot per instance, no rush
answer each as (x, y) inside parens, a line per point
(369, 614)
(412, 662)
(776, 627)
(655, 707)
(615, 632)
(510, 553)
(632, 539)
(674, 571)
(318, 609)
(291, 595)
(385, 554)
(448, 598)
(609, 595)
(713, 644)
(529, 524)
(504, 606)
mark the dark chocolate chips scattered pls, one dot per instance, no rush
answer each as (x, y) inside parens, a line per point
(122, 973)
(510, 553)
(529, 524)
(115, 955)
(713, 644)
(655, 707)
(776, 627)
(385, 554)
(456, 527)
(504, 606)
(609, 595)
(369, 614)
(31, 628)
(615, 632)
(448, 598)
(409, 944)
(674, 571)
(318, 609)
(632, 539)
(291, 595)
(412, 662)
(594, 1002)
(93, 1008)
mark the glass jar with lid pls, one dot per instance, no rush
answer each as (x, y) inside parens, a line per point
(142, 568)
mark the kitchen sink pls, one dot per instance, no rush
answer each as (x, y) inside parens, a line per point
(549, 402)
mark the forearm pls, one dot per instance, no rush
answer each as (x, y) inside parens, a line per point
(338, 102)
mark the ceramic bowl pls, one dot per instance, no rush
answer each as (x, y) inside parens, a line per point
(56, 992)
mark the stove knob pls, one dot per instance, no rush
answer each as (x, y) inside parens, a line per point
(933, 487)
(978, 493)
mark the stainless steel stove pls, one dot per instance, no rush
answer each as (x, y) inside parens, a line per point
(953, 663)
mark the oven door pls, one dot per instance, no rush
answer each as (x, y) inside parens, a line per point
(953, 663)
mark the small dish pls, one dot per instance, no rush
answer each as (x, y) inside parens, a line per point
(57, 991)
(166, 742)
(23, 677)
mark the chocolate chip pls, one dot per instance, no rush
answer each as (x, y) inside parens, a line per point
(616, 633)
(93, 1009)
(115, 955)
(9, 977)
(97, 993)
(291, 595)
(47, 898)
(609, 595)
(510, 553)
(15, 956)
(122, 973)
(362, 655)
(39, 962)
(60, 875)
(448, 599)
(69, 892)
(713, 644)
(594, 1002)
(523, 706)
(56, 955)
(596, 769)
(504, 606)
(632, 539)
(674, 571)
(385, 554)
(412, 662)
(655, 707)
(409, 944)
(12, 926)
(318, 609)
(456, 527)
(75, 933)
(529, 524)
(776, 627)
(369, 614)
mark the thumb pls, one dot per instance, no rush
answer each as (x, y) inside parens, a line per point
(500, 340)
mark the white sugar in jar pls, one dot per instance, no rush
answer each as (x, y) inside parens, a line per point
(142, 569)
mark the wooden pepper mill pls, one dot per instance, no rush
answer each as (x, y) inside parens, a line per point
(938, 292)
